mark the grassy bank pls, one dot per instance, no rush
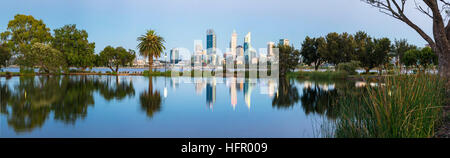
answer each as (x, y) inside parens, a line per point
(400, 107)
(317, 75)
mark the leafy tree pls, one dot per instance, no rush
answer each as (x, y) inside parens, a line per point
(364, 49)
(410, 57)
(44, 56)
(150, 45)
(310, 51)
(338, 48)
(74, 44)
(371, 52)
(426, 57)
(381, 51)
(22, 32)
(115, 57)
(436, 10)
(5, 55)
(401, 46)
(289, 58)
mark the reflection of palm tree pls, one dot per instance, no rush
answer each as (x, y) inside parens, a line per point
(150, 100)
(287, 95)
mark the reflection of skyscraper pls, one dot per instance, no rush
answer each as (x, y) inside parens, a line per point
(248, 88)
(233, 93)
(211, 94)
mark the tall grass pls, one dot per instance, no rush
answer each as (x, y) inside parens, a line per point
(317, 75)
(402, 107)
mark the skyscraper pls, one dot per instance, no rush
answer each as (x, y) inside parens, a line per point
(233, 43)
(239, 50)
(270, 46)
(284, 42)
(210, 41)
(247, 42)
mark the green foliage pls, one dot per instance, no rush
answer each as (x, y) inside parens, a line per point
(349, 67)
(317, 75)
(427, 57)
(151, 45)
(310, 51)
(338, 48)
(22, 32)
(115, 57)
(404, 107)
(401, 46)
(44, 56)
(74, 44)
(371, 52)
(157, 73)
(410, 58)
(5, 55)
(289, 58)
(26, 71)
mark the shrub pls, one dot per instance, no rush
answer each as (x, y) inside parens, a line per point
(403, 107)
(349, 67)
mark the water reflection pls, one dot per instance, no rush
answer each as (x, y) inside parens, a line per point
(29, 104)
(287, 95)
(150, 99)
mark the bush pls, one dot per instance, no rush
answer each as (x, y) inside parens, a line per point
(8, 73)
(349, 67)
(407, 106)
(27, 71)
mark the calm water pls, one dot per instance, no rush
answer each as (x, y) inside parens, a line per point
(132, 106)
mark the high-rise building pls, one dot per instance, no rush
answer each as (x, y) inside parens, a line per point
(239, 50)
(233, 43)
(270, 46)
(247, 42)
(211, 41)
(198, 47)
(284, 42)
(174, 55)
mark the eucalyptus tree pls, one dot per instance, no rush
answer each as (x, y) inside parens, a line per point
(74, 44)
(22, 32)
(438, 11)
(115, 57)
(310, 51)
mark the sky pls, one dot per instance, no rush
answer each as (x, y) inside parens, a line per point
(180, 22)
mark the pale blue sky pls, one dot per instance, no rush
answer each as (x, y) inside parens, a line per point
(180, 22)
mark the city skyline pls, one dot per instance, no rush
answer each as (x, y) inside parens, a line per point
(112, 22)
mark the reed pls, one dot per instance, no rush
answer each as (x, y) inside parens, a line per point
(405, 106)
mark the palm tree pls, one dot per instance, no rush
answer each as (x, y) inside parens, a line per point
(150, 45)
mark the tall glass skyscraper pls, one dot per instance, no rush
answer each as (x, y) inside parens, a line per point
(210, 41)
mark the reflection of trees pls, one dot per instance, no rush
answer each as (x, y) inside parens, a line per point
(287, 95)
(150, 100)
(118, 91)
(33, 99)
(317, 100)
(320, 101)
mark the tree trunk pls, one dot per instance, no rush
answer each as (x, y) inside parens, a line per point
(150, 64)
(367, 71)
